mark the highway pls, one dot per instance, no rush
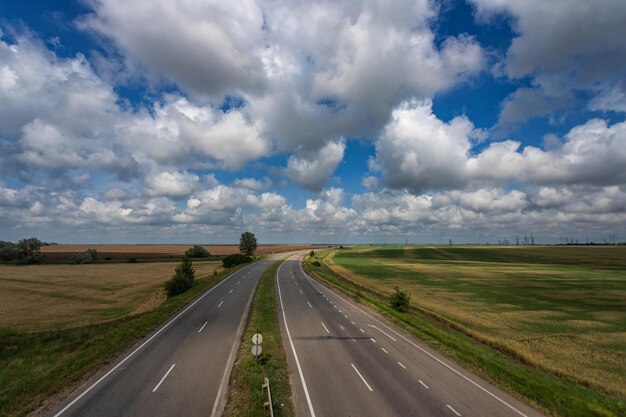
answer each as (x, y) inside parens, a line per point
(347, 360)
(180, 369)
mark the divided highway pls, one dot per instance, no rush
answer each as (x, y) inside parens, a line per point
(349, 361)
(181, 369)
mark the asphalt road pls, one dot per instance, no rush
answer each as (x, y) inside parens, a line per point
(349, 361)
(182, 368)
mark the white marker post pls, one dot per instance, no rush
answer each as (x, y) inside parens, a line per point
(257, 339)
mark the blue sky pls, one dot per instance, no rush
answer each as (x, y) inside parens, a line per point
(159, 121)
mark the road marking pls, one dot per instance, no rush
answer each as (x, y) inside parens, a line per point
(131, 354)
(340, 311)
(383, 332)
(231, 290)
(403, 367)
(384, 350)
(325, 328)
(372, 339)
(425, 386)
(353, 340)
(362, 331)
(165, 376)
(342, 328)
(202, 326)
(361, 376)
(309, 304)
(238, 282)
(301, 292)
(293, 349)
(453, 410)
(345, 315)
(222, 302)
(476, 384)
(352, 322)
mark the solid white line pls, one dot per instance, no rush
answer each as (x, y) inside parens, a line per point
(309, 304)
(453, 410)
(325, 327)
(110, 371)
(230, 291)
(202, 326)
(220, 304)
(403, 367)
(384, 350)
(477, 385)
(164, 376)
(386, 334)
(372, 339)
(362, 379)
(293, 349)
(425, 386)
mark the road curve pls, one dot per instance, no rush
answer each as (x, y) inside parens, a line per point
(183, 367)
(349, 361)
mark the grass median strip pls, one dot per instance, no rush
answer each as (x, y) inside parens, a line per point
(35, 366)
(246, 398)
(558, 396)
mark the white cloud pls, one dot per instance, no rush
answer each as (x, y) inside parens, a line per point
(175, 184)
(312, 169)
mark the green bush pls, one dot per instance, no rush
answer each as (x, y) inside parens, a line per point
(235, 259)
(86, 257)
(132, 260)
(399, 300)
(312, 253)
(316, 263)
(183, 279)
(197, 252)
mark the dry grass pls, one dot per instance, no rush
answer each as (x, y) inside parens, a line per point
(556, 308)
(63, 252)
(43, 297)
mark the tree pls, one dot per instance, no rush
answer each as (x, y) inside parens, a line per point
(197, 252)
(29, 251)
(247, 243)
(399, 300)
(183, 278)
(186, 269)
(312, 253)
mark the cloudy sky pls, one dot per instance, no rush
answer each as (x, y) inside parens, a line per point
(312, 121)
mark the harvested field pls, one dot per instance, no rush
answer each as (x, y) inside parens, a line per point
(121, 252)
(562, 309)
(45, 297)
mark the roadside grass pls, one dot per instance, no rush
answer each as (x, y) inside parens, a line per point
(563, 317)
(35, 366)
(246, 398)
(555, 395)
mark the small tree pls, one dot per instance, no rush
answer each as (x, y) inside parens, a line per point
(29, 251)
(247, 243)
(312, 253)
(186, 269)
(183, 278)
(399, 300)
(197, 252)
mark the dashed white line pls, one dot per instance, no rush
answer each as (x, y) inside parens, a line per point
(202, 326)
(342, 328)
(383, 332)
(301, 292)
(325, 328)
(221, 302)
(384, 350)
(238, 282)
(309, 304)
(372, 339)
(165, 376)
(231, 290)
(362, 331)
(453, 410)
(403, 367)
(362, 379)
(345, 315)
(340, 311)
(425, 386)
(352, 322)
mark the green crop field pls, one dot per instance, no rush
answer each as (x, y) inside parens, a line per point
(561, 309)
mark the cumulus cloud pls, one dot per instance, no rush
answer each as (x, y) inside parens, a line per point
(563, 47)
(175, 184)
(418, 151)
(311, 169)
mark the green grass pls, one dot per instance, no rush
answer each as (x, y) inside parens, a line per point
(245, 396)
(555, 395)
(36, 365)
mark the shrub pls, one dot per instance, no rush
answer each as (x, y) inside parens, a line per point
(399, 300)
(107, 258)
(316, 263)
(86, 257)
(183, 279)
(197, 252)
(312, 253)
(132, 260)
(26, 251)
(235, 259)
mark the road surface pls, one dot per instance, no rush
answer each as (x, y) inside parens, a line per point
(182, 368)
(349, 361)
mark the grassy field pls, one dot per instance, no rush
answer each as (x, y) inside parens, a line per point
(245, 397)
(79, 295)
(561, 309)
(123, 252)
(45, 351)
